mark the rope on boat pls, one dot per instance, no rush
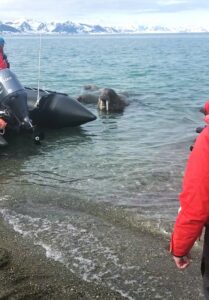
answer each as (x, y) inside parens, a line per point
(39, 69)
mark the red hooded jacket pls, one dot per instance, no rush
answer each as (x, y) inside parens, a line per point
(194, 198)
(206, 107)
(3, 62)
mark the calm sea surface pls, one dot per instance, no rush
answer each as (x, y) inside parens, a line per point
(75, 194)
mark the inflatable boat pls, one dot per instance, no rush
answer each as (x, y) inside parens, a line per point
(24, 108)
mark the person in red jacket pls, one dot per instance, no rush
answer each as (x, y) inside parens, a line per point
(194, 209)
(3, 58)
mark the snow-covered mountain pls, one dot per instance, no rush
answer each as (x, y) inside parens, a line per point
(29, 26)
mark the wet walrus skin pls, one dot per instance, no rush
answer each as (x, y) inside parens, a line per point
(106, 99)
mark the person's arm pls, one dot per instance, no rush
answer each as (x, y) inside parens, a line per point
(3, 64)
(6, 60)
(194, 201)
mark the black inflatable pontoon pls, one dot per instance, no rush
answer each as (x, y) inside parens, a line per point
(56, 110)
(27, 108)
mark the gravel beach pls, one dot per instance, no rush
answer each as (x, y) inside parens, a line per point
(26, 273)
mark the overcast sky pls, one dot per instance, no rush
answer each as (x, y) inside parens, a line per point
(110, 12)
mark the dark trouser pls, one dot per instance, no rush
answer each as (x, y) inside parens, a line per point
(205, 264)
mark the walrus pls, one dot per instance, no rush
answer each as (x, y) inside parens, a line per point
(106, 99)
(88, 98)
(109, 100)
(91, 87)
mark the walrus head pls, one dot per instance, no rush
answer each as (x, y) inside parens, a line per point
(109, 101)
(103, 103)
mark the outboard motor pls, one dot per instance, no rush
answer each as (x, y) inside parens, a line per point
(13, 99)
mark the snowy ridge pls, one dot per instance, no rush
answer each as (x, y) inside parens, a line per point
(29, 26)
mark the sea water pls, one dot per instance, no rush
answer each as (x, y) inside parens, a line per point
(84, 189)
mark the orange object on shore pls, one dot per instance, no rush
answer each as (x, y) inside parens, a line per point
(3, 124)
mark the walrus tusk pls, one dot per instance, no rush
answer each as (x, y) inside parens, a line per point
(107, 105)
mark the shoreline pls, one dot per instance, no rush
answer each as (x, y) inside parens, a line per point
(27, 273)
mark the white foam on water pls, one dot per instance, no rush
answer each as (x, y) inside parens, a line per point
(4, 198)
(76, 247)
(126, 295)
(50, 252)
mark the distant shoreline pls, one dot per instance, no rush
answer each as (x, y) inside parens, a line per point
(102, 34)
(31, 26)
